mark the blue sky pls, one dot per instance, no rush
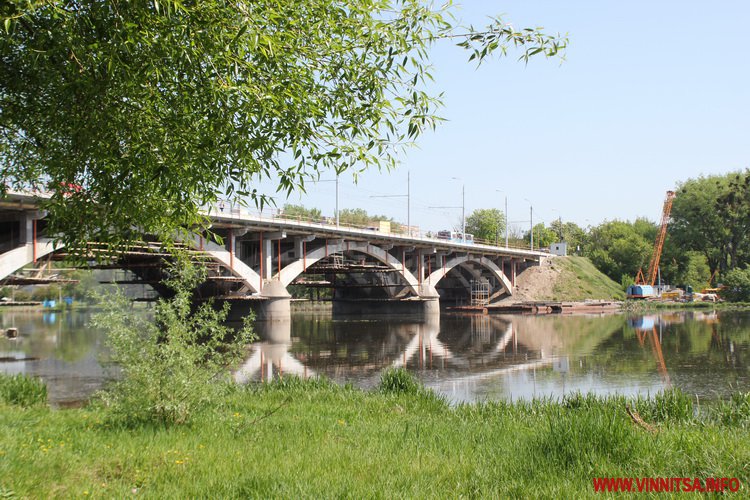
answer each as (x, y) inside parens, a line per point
(651, 93)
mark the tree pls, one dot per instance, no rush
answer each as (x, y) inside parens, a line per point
(302, 213)
(138, 113)
(486, 224)
(358, 217)
(619, 249)
(736, 285)
(711, 215)
(543, 236)
(135, 114)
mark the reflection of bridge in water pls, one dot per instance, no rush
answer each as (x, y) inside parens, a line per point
(491, 345)
(470, 357)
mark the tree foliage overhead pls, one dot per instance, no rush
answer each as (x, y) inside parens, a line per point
(157, 107)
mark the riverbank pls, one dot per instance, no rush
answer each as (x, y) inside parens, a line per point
(645, 306)
(316, 439)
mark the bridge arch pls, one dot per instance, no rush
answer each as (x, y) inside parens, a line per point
(434, 278)
(13, 260)
(293, 270)
(251, 279)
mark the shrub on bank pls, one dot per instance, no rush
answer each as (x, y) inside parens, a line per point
(174, 365)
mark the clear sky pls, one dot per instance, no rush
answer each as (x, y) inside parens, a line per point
(651, 93)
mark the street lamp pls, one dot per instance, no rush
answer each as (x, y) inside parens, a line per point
(336, 180)
(506, 217)
(531, 223)
(463, 208)
(408, 201)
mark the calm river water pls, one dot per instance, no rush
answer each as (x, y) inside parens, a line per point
(467, 358)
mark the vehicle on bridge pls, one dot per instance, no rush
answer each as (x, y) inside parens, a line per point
(456, 237)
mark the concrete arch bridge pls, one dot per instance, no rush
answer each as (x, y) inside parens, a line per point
(262, 257)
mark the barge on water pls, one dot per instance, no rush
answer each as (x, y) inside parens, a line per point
(543, 307)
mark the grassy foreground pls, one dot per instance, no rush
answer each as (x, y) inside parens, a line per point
(314, 439)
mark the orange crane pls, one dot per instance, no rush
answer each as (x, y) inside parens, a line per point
(653, 266)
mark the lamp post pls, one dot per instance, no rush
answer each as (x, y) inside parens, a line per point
(531, 223)
(506, 217)
(408, 201)
(463, 209)
(336, 180)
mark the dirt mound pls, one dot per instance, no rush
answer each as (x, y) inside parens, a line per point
(564, 279)
(536, 283)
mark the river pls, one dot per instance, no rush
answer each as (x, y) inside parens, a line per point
(467, 358)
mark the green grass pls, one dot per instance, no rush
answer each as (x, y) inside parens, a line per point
(315, 439)
(22, 391)
(581, 280)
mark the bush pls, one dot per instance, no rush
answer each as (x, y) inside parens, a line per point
(174, 365)
(21, 390)
(736, 285)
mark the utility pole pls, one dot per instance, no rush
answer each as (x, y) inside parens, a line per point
(408, 201)
(506, 217)
(531, 222)
(463, 212)
(463, 208)
(506, 221)
(337, 195)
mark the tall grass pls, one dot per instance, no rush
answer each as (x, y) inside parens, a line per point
(398, 381)
(736, 411)
(312, 438)
(21, 390)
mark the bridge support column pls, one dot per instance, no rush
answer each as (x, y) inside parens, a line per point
(430, 299)
(267, 260)
(26, 227)
(277, 303)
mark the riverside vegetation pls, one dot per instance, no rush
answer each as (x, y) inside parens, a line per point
(295, 438)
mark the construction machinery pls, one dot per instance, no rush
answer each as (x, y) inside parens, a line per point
(708, 288)
(644, 285)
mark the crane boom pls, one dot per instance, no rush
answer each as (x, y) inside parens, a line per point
(660, 237)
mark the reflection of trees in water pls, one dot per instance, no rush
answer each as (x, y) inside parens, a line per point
(686, 342)
(57, 335)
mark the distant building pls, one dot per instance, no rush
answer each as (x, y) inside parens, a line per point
(559, 249)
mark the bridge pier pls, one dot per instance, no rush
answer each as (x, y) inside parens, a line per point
(430, 299)
(277, 304)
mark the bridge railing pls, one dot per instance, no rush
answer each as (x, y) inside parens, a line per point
(225, 208)
(233, 210)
